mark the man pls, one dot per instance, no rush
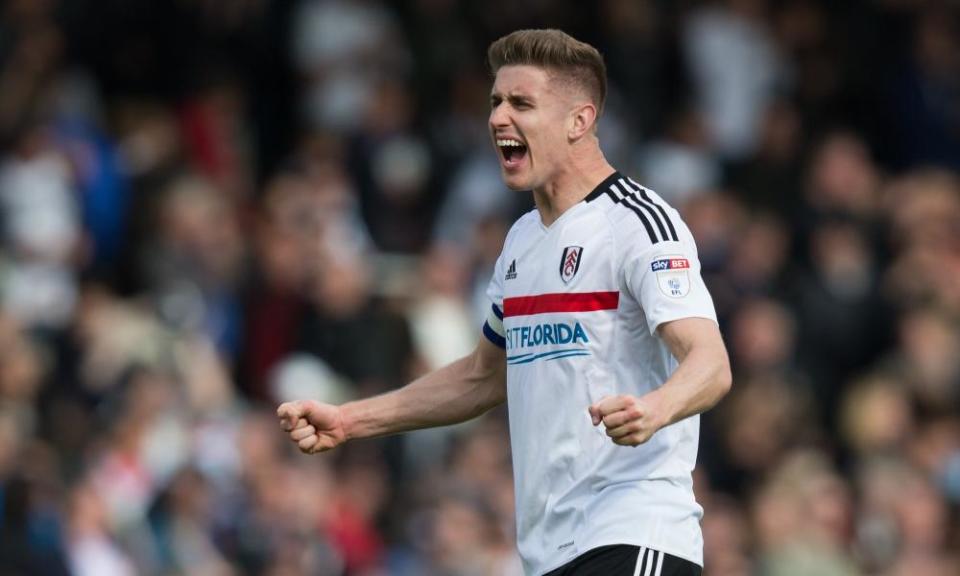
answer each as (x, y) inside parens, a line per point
(598, 316)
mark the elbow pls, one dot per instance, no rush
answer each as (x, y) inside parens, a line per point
(494, 394)
(490, 380)
(500, 393)
(498, 385)
(724, 379)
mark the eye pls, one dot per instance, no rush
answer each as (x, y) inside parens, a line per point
(519, 103)
(495, 101)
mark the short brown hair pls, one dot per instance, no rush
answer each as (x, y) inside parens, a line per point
(557, 52)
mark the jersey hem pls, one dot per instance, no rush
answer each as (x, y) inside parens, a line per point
(493, 337)
(683, 317)
(626, 542)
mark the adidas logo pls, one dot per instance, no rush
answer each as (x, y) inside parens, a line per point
(512, 271)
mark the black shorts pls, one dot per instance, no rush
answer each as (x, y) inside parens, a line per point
(624, 560)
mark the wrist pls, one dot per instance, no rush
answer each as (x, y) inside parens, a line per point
(665, 408)
(348, 424)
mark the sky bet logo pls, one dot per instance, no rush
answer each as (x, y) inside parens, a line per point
(546, 334)
(669, 264)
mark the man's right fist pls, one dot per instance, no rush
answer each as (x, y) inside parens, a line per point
(313, 426)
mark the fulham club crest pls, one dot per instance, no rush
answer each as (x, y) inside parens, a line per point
(570, 263)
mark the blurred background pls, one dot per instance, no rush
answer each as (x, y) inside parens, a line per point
(211, 206)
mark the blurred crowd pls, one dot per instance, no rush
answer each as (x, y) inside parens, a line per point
(211, 206)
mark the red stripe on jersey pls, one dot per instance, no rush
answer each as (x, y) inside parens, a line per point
(560, 302)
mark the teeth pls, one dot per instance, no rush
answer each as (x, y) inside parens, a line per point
(509, 142)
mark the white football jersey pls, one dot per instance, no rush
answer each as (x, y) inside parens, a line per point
(576, 305)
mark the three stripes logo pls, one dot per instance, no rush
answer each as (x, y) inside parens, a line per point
(637, 199)
(651, 563)
(511, 271)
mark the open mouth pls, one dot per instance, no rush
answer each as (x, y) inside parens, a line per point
(512, 151)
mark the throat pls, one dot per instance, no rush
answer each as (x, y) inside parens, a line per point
(551, 208)
(566, 190)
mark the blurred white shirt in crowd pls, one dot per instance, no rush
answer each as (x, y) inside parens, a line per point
(735, 70)
(41, 226)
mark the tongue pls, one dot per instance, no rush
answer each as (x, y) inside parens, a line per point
(512, 154)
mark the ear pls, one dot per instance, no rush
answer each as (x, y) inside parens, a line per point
(582, 119)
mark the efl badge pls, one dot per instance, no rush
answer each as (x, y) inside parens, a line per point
(672, 275)
(570, 262)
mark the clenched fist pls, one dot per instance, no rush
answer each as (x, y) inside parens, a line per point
(629, 420)
(313, 426)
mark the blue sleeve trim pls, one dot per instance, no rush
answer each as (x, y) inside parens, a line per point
(497, 311)
(493, 336)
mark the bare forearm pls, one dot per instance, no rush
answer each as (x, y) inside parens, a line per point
(703, 376)
(700, 381)
(455, 393)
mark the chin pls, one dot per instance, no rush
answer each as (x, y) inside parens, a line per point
(516, 182)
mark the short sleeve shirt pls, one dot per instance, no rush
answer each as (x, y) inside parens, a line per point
(576, 305)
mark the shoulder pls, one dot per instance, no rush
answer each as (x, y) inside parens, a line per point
(639, 217)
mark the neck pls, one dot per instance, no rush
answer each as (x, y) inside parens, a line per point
(571, 185)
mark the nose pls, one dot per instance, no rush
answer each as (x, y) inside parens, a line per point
(499, 118)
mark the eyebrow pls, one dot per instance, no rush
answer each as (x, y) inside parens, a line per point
(512, 98)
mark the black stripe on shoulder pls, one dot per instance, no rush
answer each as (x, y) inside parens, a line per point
(604, 187)
(621, 199)
(633, 199)
(646, 196)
